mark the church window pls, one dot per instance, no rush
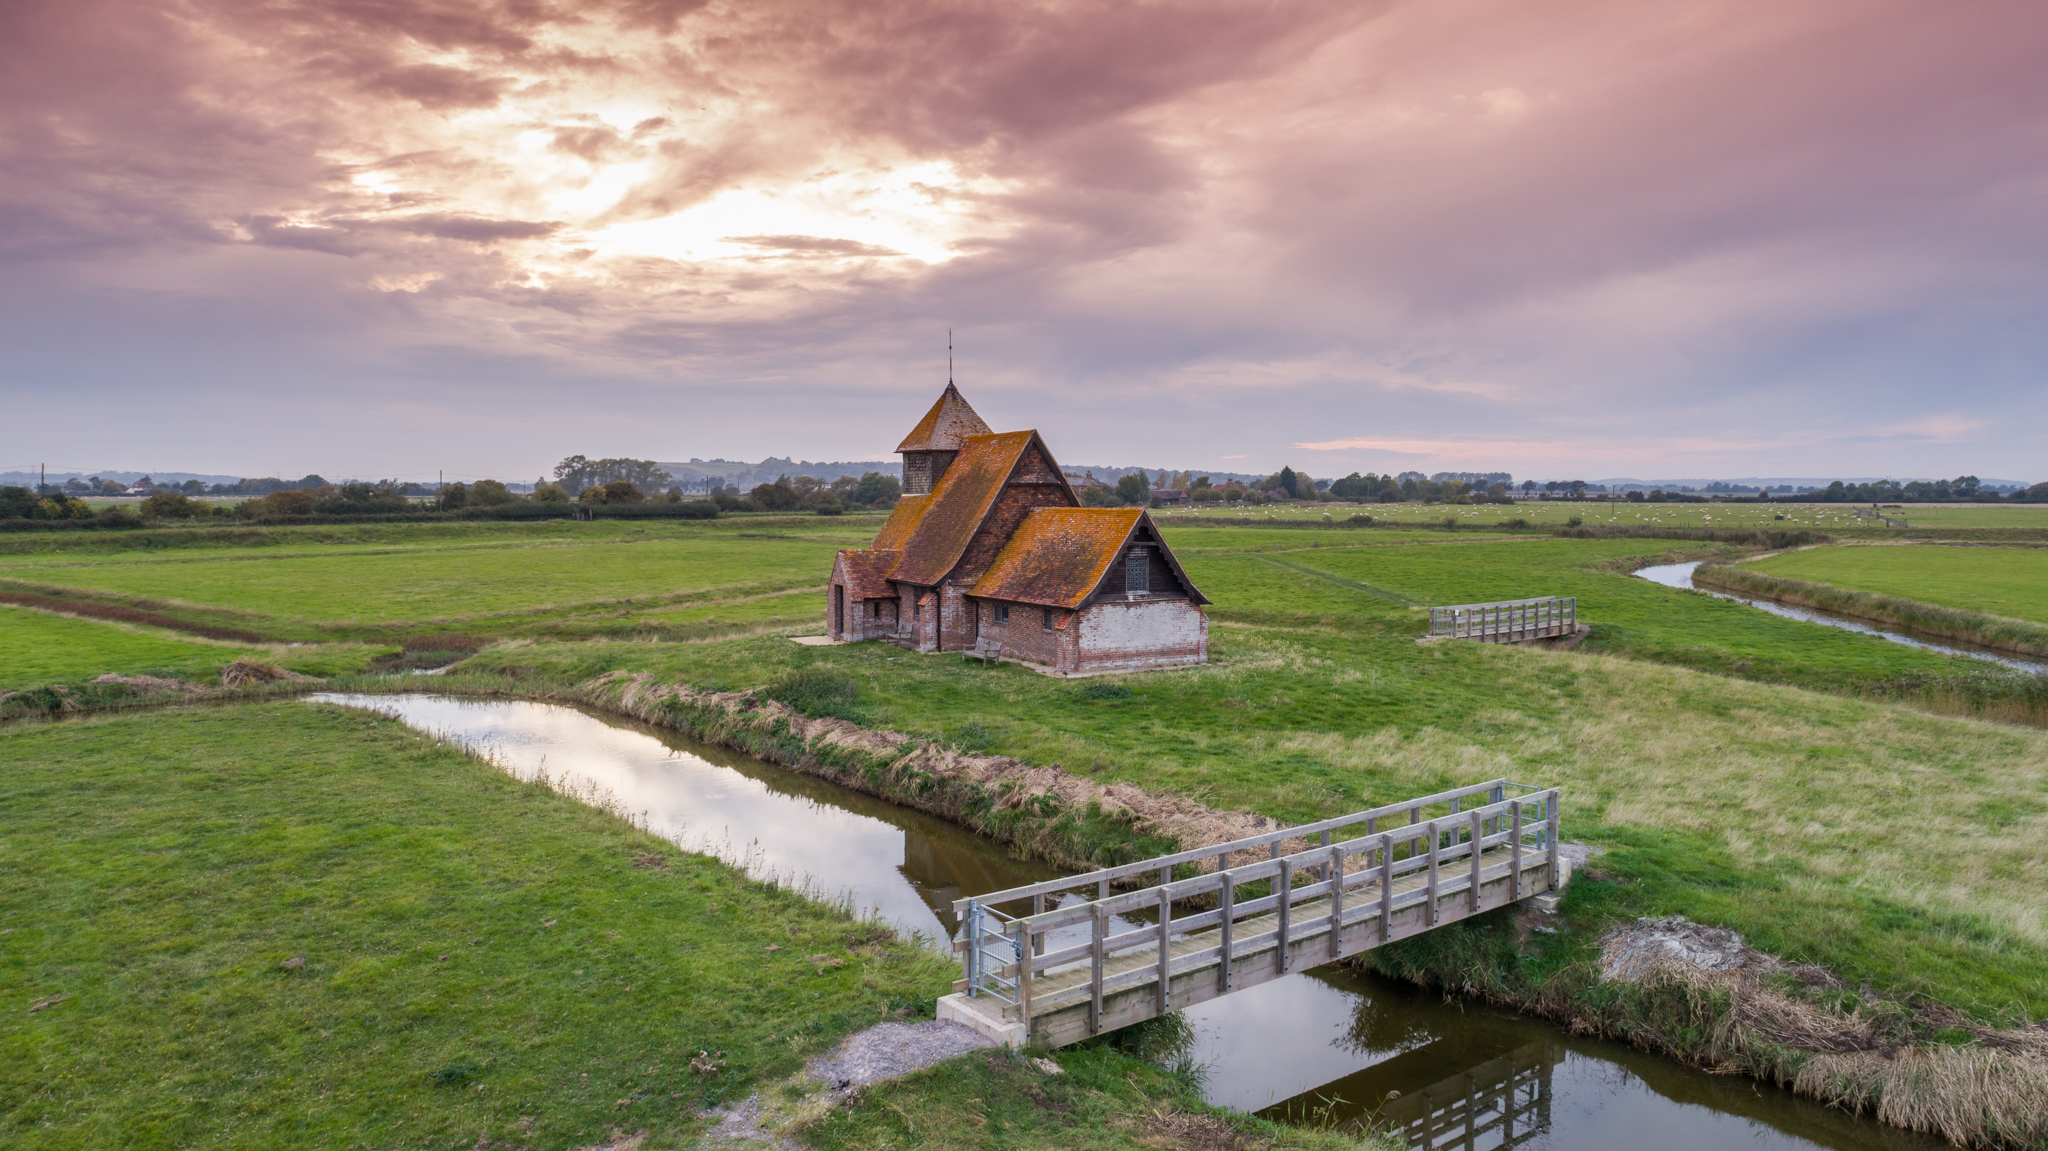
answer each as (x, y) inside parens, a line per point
(1137, 570)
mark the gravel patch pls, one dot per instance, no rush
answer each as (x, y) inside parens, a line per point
(888, 1050)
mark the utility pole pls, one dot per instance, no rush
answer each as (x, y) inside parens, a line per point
(43, 480)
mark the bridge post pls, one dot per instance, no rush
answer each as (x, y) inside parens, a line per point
(1477, 836)
(1550, 803)
(1434, 843)
(1386, 888)
(1024, 957)
(973, 961)
(1224, 899)
(1335, 869)
(1515, 851)
(1283, 892)
(1100, 922)
(1165, 943)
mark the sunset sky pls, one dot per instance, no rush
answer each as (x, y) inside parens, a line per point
(1562, 238)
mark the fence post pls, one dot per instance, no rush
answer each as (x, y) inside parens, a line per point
(1038, 937)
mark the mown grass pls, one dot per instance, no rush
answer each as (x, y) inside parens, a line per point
(426, 584)
(482, 958)
(38, 648)
(1997, 581)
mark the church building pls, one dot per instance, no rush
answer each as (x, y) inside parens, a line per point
(989, 542)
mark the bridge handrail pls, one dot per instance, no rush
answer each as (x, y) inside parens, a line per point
(1263, 839)
(1244, 873)
(1002, 953)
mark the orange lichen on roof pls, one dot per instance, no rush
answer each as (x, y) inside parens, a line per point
(901, 523)
(1058, 555)
(867, 573)
(956, 508)
(950, 421)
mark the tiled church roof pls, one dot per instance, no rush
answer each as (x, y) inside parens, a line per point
(954, 510)
(1058, 555)
(867, 573)
(943, 428)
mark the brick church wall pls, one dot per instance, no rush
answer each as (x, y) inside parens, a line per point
(1141, 633)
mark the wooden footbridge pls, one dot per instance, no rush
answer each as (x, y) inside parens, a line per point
(1507, 621)
(1054, 962)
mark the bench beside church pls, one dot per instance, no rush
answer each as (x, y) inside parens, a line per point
(989, 543)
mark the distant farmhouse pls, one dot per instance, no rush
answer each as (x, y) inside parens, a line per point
(990, 544)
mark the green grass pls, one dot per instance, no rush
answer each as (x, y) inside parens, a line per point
(472, 580)
(37, 648)
(1895, 847)
(482, 957)
(1554, 513)
(1998, 581)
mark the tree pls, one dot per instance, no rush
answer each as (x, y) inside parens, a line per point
(1132, 490)
(1289, 483)
(165, 504)
(17, 503)
(779, 496)
(489, 494)
(453, 496)
(550, 494)
(579, 472)
(1099, 496)
(615, 492)
(876, 489)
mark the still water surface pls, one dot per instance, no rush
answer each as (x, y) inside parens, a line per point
(1680, 576)
(1322, 1044)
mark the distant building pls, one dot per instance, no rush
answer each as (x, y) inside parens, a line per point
(990, 542)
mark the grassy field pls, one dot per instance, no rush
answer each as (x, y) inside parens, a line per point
(1896, 847)
(1554, 513)
(2001, 581)
(309, 926)
(454, 582)
(38, 648)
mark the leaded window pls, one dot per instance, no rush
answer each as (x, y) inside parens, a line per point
(1137, 570)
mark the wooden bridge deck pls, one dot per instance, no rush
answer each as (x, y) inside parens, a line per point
(1180, 939)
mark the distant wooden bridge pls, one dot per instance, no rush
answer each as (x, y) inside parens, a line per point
(1506, 621)
(1054, 962)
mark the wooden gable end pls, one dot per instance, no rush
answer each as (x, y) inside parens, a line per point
(1164, 575)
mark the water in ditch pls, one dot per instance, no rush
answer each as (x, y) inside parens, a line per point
(1680, 576)
(1321, 1046)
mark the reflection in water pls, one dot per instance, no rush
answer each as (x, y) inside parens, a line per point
(1455, 1075)
(905, 866)
(1323, 1046)
(1680, 576)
